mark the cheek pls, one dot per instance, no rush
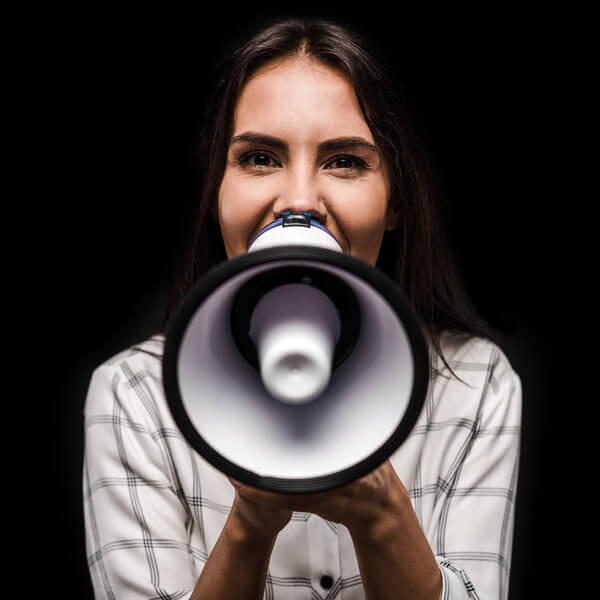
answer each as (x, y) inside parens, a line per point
(239, 208)
(361, 215)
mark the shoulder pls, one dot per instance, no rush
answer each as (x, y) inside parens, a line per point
(472, 354)
(149, 350)
(126, 375)
(146, 353)
(482, 380)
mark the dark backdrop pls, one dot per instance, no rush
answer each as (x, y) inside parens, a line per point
(120, 97)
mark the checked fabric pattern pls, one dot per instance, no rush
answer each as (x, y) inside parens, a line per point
(154, 508)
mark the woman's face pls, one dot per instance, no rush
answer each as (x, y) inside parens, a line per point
(300, 143)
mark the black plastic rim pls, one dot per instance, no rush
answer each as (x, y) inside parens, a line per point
(360, 269)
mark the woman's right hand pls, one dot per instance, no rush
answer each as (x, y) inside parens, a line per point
(254, 520)
(238, 564)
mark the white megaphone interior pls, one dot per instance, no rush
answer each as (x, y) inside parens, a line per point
(361, 407)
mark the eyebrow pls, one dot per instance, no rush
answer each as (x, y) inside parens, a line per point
(326, 146)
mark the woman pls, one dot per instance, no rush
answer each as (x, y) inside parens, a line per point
(304, 120)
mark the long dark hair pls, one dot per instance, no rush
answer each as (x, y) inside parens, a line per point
(417, 255)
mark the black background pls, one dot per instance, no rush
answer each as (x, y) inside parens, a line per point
(116, 100)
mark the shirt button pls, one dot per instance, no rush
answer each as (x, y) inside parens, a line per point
(326, 582)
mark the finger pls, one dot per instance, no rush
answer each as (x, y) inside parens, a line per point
(312, 502)
(264, 496)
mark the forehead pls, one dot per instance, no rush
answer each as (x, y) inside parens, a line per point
(300, 97)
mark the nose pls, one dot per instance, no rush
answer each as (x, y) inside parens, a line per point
(299, 194)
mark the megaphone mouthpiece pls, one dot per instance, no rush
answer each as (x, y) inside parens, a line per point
(293, 229)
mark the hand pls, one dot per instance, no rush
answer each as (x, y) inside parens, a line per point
(365, 505)
(393, 554)
(257, 519)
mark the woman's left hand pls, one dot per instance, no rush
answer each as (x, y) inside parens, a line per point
(363, 506)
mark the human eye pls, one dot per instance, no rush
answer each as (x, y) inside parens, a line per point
(257, 160)
(346, 163)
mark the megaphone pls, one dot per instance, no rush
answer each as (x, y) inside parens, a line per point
(295, 367)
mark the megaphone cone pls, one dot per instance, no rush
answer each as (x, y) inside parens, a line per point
(295, 367)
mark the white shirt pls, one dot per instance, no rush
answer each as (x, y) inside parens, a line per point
(154, 508)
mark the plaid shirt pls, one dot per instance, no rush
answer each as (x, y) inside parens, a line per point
(154, 508)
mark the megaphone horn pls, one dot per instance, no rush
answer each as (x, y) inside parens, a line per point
(295, 367)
